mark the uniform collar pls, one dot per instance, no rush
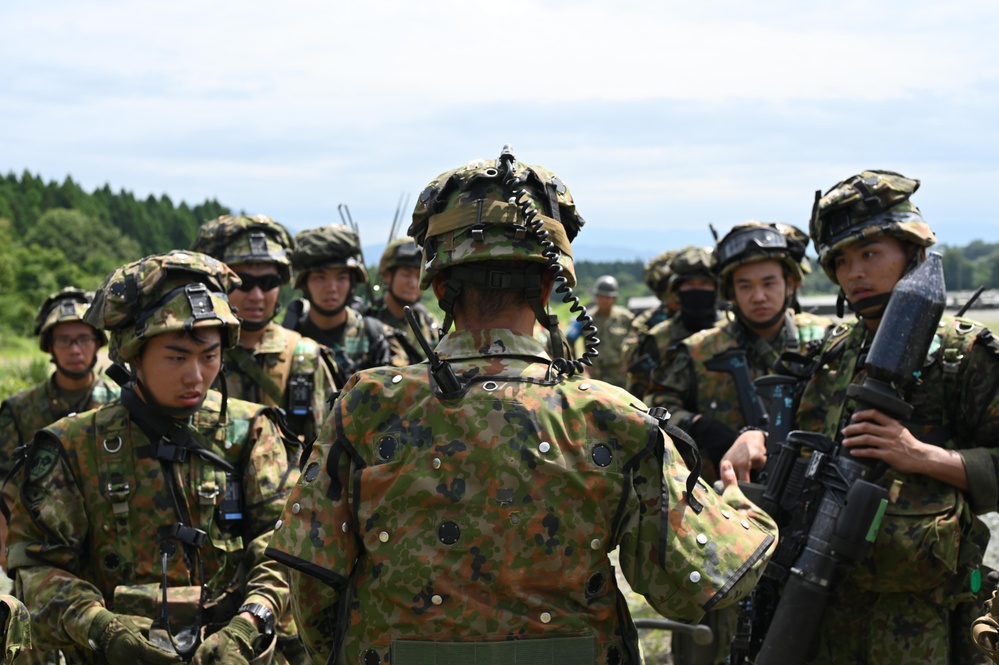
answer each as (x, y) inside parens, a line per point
(490, 342)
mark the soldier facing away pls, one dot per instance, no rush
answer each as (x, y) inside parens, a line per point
(913, 596)
(465, 512)
(327, 271)
(271, 365)
(168, 492)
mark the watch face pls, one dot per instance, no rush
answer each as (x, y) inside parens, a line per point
(263, 613)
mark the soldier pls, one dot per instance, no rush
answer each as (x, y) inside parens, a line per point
(758, 267)
(916, 591)
(466, 514)
(271, 365)
(691, 286)
(167, 492)
(73, 386)
(656, 277)
(612, 322)
(400, 271)
(327, 271)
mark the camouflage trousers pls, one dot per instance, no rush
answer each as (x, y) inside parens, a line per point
(866, 628)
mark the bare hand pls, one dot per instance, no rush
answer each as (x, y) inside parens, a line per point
(747, 453)
(875, 435)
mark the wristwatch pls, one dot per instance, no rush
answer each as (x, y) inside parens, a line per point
(263, 613)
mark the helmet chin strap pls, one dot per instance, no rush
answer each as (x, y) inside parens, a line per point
(753, 325)
(880, 300)
(336, 310)
(171, 411)
(76, 376)
(254, 326)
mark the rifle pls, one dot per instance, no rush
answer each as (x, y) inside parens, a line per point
(829, 506)
(734, 362)
(349, 222)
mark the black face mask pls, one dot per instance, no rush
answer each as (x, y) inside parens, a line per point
(697, 308)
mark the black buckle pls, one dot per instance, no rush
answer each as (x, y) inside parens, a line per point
(170, 452)
(185, 534)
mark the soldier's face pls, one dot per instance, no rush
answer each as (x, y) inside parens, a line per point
(404, 283)
(74, 345)
(870, 267)
(178, 369)
(329, 287)
(255, 305)
(760, 290)
(605, 303)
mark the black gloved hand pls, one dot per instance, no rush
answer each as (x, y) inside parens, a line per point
(713, 438)
(233, 645)
(120, 640)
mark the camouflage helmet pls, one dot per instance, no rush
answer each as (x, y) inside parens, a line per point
(606, 285)
(867, 204)
(65, 306)
(657, 273)
(400, 252)
(333, 246)
(689, 262)
(236, 239)
(471, 214)
(755, 241)
(179, 290)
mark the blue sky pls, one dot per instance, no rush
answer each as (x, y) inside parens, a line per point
(662, 117)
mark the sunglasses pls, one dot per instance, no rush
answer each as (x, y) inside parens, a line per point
(265, 282)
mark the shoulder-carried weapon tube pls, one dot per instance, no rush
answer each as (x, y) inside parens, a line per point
(835, 505)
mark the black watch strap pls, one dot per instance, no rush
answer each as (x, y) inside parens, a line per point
(263, 613)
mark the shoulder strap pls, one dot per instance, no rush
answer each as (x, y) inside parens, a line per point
(248, 365)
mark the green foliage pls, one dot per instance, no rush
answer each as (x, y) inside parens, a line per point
(54, 235)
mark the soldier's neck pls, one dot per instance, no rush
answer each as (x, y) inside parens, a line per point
(249, 339)
(324, 322)
(393, 305)
(520, 320)
(70, 384)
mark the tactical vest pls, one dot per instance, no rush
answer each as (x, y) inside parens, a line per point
(474, 519)
(715, 394)
(929, 538)
(127, 504)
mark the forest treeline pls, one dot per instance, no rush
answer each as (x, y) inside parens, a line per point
(55, 234)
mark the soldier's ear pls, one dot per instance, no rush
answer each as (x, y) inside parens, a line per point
(547, 283)
(438, 285)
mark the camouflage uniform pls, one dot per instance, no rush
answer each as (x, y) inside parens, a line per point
(985, 629)
(913, 596)
(82, 536)
(656, 276)
(15, 629)
(361, 341)
(30, 410)
(429, 545)
(896, 604)
(474, 525)
(404, 334)
(104, 506)
(281, 358)
(404, 253)
(650, 345)
(684, 386)
(612, 329)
